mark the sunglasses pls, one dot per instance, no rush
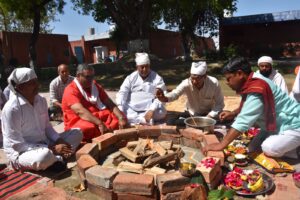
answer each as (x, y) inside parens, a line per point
(88, 77)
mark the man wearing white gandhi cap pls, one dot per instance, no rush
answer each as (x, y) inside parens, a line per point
(136, 97)
(29, 140)
(204, 95)
(265, 65)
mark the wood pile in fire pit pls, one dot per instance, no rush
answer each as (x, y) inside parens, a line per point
(141, 155)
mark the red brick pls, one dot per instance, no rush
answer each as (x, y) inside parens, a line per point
(190, 143)
(105, 141)
(126, 134)
(216, 181)
(210, 139)
(140, 184)
(115, 147)
(217, 154)
(172, 196)
(170, 137)
(90, 149)
(83, 163)
(39, 191)
(127, 196)
(192, 133)
(149, 131)
(209, 173)
(171, 182)
(101, 176)
(102, 193)
(285, 188)
(169, 129)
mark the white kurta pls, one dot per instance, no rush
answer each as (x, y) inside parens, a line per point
(137, 96)
(208, 100)
(27, 131)
(295, 93)
(278, 79)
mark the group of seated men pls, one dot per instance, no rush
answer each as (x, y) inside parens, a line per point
(31, 143)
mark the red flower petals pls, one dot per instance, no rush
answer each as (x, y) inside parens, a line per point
(208, 162)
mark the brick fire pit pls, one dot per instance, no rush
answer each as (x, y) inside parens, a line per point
(104, 165)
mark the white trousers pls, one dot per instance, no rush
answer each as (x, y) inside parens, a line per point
(135, 117)
(42, 157)
(283, 144)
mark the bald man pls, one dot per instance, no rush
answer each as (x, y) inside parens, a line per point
(57, 87)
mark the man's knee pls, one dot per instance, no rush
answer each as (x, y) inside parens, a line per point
(271, 150)
(39, 159)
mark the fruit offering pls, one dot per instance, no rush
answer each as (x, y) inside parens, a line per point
(248, 181)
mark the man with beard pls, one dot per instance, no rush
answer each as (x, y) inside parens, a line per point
(266, 69)
(263, 104)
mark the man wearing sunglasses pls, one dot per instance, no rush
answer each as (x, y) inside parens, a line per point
(87, 106)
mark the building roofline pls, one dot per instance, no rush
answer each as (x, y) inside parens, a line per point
(293, 15)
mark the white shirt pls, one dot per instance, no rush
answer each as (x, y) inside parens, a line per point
(139, 94)
(57, 88)
(25, 126)
(278, 79)
(295, 93)
(209, 99)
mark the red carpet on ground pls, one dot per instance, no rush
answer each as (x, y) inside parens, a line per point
(12, 182)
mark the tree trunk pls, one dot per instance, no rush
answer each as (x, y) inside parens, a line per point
(186, 46)
(34, 38)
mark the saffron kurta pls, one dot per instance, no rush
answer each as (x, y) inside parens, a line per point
(71, 96)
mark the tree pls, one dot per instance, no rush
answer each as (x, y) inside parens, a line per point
(34, 10)
(118, 36)
(134, 17)
(195, 18)
(9, 22)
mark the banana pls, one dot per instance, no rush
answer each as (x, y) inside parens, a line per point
(257, 186)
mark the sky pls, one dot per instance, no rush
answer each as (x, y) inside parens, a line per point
(76, 25)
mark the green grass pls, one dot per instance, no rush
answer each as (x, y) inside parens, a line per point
(112, 75)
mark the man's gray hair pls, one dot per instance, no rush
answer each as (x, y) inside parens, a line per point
(82, 67)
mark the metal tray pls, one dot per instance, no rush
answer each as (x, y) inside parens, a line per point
(268, 182)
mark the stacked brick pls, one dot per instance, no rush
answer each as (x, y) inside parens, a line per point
(212, 174)
(109, 183)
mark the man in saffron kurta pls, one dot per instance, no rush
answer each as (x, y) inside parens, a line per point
(86, 105)
(264, 104)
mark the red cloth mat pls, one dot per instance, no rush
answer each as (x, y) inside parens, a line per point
(13, 182)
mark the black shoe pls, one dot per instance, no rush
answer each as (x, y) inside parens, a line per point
(58, 166)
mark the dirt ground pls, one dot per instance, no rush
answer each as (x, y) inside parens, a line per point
(231, 103)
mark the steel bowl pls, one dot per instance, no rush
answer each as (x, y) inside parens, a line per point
(205, 124)
(187, 169)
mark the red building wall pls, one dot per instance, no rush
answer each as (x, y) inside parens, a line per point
(88, 48)
(275, 39)
(162, 43)
(52, 49)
